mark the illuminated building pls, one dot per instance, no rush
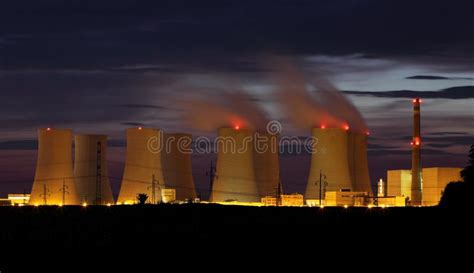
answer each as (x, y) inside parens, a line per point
(342, 198)
(292, 200)
(90, 161)
(269, 201)
(18, 198)
(435, 181)
(54, 179)
(168, 195)
(399, 183)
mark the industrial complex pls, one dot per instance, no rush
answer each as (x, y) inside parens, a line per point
(159, 165)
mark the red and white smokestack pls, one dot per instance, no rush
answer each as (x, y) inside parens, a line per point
(416, 186)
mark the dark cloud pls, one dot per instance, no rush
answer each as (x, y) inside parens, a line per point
(107, 34)
(134, 124)
(30, 144)
(149, 106)
(446, 133)
(430, 77)
(458, 92)
(407, 152)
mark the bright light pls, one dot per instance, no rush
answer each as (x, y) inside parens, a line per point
(237, 127)
(21, 205)
(108, 204)
(346, 127)
(417, 143)
(382, 206)
(139, 128)
(60, 204)
(84, 204)
(48, 129)
(346, 206)
(370, 206)
(367, 133)
(321, 207)
(414, 100)
(323, 126)
(36, 205)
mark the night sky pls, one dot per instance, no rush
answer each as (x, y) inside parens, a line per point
(104, 66)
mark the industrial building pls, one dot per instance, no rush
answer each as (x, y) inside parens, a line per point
(267, 165)
(329, 162)
(342, 198)
(235, 175)
(435, 181)
(285, 200)
(399, 183)
(91, 171)
(143, 172)
(54, 179)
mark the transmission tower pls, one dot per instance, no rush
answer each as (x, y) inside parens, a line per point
(322, 186)
(98, 178)
(64, 190)
(45, 194)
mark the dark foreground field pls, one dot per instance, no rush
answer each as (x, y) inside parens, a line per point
(407, 231)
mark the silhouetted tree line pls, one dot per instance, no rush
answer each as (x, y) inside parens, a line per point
(461, 193)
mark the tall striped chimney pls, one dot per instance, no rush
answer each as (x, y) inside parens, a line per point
(416, 186)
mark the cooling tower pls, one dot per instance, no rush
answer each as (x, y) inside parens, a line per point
(330, 156)
(90, 169)
(143, 173)
(235, 175)
(358, 164)
(267, 165)
(177, 167)
(54, 180)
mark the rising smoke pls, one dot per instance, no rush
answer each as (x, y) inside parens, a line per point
(306, 102)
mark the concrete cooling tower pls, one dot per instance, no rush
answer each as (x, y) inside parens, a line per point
(90, 169)
(358, 164)
(54, 180)
(176, 165)
(330, 156)
(267, 165)
(143, 173)
(235, 175)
